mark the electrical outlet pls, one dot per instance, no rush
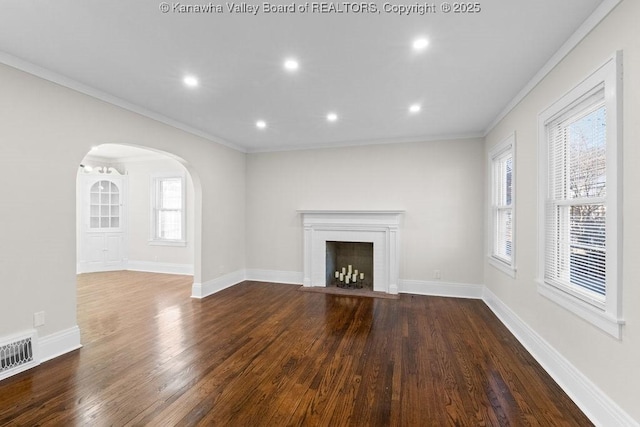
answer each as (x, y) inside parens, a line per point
(437, 275)
(38, 319)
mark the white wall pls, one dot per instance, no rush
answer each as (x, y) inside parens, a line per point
(45, 131)
(611, 364)
(438, 184)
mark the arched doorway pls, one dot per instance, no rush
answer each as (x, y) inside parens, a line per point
(137, 209)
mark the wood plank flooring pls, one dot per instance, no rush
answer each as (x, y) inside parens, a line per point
(261, 354)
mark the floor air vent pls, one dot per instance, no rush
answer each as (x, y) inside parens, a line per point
(17, 354)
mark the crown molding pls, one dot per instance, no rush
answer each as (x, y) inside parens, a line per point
(583, 31)
(43, 73)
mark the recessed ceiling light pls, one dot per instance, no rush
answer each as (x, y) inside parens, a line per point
(332, 117)
(190, 81)
(291, 64)
(261, 124)
(414, 108)
(419, 44)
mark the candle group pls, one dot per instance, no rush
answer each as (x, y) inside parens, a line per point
(348, 275)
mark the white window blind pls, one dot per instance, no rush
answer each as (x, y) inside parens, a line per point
(502, 206)
(575, 210)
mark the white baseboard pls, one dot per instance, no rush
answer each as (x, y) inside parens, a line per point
(210, 287)
(59, 343)
(84, 267)
(441, 289)
(275, 276)
(160, 267)
(596, 405)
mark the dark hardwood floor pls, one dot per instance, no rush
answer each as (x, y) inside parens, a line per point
(261, 354)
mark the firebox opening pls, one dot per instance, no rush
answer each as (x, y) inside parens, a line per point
(344, 259)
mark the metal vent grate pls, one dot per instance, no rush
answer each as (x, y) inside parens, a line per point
(18, 353)
(15, 354)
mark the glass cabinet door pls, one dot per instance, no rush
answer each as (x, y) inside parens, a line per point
(104, 205)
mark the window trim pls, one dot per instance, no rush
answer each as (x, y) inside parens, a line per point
(506, 145)
(608, 315)
(154, 182)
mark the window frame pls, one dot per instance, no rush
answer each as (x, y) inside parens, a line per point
(506, 147)
(607, 314)
(156, 179)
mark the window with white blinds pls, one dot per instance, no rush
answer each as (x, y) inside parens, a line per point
(579, 197)
(501, 160)
(168, 206)
(575, 222)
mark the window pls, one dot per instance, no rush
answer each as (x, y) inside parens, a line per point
(501, 225)
(168, 206)
(580, 227)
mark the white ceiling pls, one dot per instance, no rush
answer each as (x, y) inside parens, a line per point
(360, 66)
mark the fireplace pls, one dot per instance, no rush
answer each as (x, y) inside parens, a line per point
(379, 229)
(349, 265)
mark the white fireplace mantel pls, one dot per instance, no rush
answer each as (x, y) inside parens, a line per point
(380, 227)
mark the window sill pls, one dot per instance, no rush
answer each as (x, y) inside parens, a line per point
(177, 243)
(502, 266)
(597, 317)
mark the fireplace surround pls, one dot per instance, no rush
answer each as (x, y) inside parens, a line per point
(380, 227)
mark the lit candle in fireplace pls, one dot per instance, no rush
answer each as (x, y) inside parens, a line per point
(355, 276)
(344, 270)
(361, 276)
(337, 274)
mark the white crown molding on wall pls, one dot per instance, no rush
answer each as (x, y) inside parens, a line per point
(583, 31)
(67, 82)
(367, 142)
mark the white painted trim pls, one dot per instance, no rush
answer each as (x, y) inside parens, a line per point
(596, 405)
(160, 267)
(275, 276)
(210, 287)
(588, 312)
(59, 343)
(441, 289)
(380, 227)
(505, 268)
(583, 31)
(70, 83)
(508, 144)
(154, 192)
(367, 142)
(608, 315)
(86, 267)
